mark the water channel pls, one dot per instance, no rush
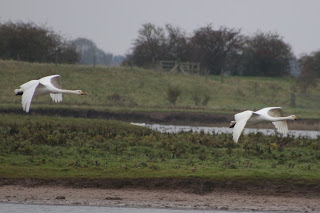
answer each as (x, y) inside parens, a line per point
(217, 130)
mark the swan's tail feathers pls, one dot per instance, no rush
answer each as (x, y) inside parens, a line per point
(232, 123)
(18, 91)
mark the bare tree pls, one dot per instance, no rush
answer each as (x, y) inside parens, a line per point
(316, 58)
(266, 54)
(214, 49)
(149, 46)
(308, 75)
(177, 44)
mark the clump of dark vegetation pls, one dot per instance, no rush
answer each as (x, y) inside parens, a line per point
(173, 93)
(197, 98)
(115, 99)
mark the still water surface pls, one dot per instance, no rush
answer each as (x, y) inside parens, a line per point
(27, 208)
(210, 130)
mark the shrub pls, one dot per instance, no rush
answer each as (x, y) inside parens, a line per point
(173, 92)
(196, 98)
(205, 100)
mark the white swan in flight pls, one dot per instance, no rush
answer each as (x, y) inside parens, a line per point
(269, 114)
(46, 85)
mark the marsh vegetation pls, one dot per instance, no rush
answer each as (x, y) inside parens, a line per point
(43, 147)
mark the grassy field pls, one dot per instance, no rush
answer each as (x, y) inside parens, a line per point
(146, 90)
(54, 147)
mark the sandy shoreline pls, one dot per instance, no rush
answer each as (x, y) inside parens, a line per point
(160, 198)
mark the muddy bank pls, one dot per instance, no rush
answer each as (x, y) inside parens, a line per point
(136, 116)
(174, 118)
(188, 185)
(163, 193)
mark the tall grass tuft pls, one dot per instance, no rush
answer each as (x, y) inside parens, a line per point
(173, 93)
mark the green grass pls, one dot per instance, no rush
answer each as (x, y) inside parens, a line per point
(145, 90)
(55, 147)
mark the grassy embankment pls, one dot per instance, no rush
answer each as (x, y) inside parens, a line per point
(49, 148)
(125, 89)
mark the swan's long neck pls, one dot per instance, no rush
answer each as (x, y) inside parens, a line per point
(66, 91)
(282, 118)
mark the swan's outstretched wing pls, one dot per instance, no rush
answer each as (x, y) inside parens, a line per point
(29, 84)
(28, 92)
(241, 120)
(242, 115)
(55, 80)
(275, 112)
(281, 126)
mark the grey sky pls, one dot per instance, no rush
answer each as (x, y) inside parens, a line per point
(113, 24)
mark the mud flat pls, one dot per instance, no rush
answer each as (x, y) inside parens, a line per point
(185, 194)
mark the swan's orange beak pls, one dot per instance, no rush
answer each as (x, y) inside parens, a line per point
(82, 93)
(295, 118)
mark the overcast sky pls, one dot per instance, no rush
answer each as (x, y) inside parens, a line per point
(113, 24)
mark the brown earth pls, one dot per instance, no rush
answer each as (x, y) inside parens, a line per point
(164, 193)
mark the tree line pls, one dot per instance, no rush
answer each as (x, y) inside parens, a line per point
(219, 51)
(29, 42)
(33, 43)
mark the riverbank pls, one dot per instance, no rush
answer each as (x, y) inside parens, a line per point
(275, 198)
(191, 118)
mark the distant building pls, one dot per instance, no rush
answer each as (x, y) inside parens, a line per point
(294, 68)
